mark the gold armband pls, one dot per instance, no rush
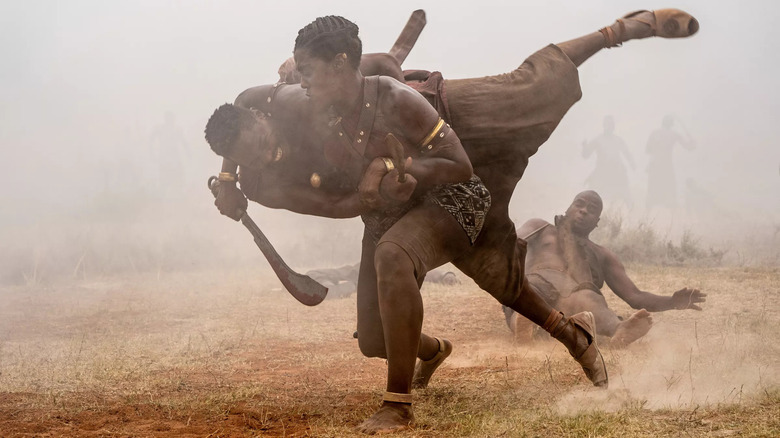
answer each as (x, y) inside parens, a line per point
(426, 145)
(227, 177)
(388, 164)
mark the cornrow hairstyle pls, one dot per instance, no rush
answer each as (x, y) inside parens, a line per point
(328, 36)
(224, 127)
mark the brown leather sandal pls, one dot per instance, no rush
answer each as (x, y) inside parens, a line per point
(425, 368)
(667, 23)
(591, 360)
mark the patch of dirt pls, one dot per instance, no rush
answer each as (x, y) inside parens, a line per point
(177, 357)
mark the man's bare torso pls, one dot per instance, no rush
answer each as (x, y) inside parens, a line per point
(545, 252)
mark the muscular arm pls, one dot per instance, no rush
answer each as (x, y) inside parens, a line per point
(412, 118)
(307, 200)
(618, 281)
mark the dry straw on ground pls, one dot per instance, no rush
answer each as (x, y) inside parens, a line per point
(227, 353)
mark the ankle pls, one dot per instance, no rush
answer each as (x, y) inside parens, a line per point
(432, 352)
(614, 34)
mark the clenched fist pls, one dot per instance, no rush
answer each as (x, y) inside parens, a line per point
(230, 201)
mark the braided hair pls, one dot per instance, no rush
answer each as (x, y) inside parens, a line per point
(328, 36)
(225, 125)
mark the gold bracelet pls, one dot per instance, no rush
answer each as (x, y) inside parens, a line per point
(227, 177)
(388, 164)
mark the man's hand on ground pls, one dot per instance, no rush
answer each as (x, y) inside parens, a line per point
(230, 200)
(687, 298)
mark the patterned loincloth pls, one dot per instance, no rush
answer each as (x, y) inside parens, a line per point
(468, 202)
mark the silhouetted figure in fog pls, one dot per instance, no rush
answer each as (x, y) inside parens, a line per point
(169, 151)
(661, 177)
(609, 177)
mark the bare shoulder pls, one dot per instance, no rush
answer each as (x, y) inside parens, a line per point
(381, 64)
(531, 227)
(604, 254)
(405, 109)
(394, 92)
(253, 97)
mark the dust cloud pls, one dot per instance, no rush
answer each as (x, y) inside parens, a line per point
(669, 374)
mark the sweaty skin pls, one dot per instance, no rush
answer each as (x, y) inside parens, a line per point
(546, 253)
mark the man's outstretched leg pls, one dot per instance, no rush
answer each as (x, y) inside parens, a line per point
(577, 332)
(622, 332)
(496, 262)
(665, 23)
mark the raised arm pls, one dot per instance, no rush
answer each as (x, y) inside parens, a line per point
(618, 281)
(588, 147)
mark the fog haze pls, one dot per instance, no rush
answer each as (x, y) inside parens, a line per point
(103, 105)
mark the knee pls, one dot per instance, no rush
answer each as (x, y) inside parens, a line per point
(391, 261)
(505, 288)
(371, 348)
(518, 293)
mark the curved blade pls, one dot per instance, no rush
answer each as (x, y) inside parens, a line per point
(302, 287)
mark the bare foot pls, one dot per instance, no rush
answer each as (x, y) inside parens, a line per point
(391, 417)
(522, 328)
(425, 368)
(636, 326)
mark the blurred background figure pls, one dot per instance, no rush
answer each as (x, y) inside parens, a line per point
(661, 175)
(609, 177)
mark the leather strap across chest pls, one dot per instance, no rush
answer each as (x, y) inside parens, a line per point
(357, 145)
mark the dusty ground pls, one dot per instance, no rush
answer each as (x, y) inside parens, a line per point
(230, 354)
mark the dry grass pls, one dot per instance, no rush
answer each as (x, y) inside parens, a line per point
(225, 353)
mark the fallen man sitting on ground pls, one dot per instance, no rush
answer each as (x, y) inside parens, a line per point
(569, 270)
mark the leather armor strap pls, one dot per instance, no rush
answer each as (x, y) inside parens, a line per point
(357, 146)
(552, 321)
(265, 111)
(611, 38)
(586, 285)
